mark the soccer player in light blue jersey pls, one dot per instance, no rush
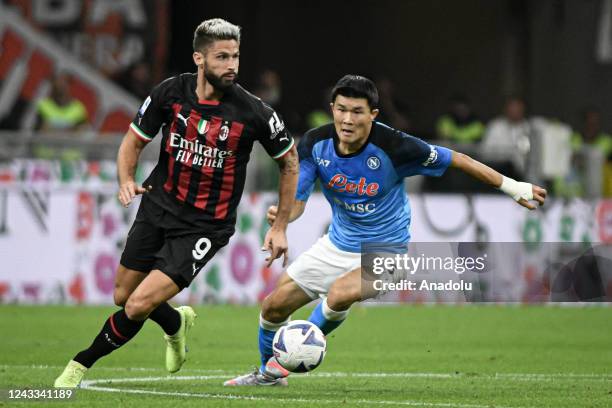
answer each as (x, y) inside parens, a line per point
(361, 165)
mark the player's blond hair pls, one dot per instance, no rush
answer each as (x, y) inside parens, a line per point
(213, 30)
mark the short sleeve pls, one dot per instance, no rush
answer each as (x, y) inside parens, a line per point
(274, 137)
(151, 115)
(308, 169)
(416, 157)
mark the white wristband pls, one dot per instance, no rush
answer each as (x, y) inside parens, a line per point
(516, 189)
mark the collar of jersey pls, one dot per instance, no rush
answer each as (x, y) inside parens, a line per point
(208, 102)
(356, 153)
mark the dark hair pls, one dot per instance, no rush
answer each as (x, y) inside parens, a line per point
(212, 30)
(356, 86)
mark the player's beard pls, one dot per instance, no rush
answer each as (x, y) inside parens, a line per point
(218, 82)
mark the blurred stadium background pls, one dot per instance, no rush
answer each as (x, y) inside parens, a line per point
(525, 86)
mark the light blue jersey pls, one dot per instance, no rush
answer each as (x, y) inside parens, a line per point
(366, 189)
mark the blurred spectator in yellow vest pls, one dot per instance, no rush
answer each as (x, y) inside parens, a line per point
(592, 135)
(460, 124)
(60, 111)
(321, 115)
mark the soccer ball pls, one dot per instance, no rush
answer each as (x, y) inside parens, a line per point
(299, 346)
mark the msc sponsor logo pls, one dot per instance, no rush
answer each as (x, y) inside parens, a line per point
(340, 184)
(361, 208)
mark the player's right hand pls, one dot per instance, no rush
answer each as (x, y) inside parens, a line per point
(539, 195)
(129, 190)
(271, 214)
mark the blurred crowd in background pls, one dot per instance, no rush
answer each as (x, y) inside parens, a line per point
(571, 156)
(517, 142)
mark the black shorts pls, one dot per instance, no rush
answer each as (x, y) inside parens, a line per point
(159, 240)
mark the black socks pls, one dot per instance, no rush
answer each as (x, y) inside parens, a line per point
(167, 317)
(117, 330)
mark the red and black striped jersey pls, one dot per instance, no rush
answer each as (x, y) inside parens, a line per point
(205, 147)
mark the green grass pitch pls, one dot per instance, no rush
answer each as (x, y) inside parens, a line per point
(410, 356)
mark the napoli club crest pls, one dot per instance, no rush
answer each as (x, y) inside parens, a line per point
(373, 162)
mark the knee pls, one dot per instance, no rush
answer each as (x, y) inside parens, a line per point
(138, 308)
(120, 296)
(341, 297)
(273, 311)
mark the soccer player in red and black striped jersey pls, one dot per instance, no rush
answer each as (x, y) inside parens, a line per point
(188, 209)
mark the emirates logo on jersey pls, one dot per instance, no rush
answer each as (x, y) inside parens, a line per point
(193, 153)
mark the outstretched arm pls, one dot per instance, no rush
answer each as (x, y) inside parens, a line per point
(519, 191)
(276, 238)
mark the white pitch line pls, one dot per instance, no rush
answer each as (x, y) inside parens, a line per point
(92, 385)
(282, 400)
(552, 376)
(88, 383)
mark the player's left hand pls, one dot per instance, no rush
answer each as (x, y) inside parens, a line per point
(276, 243)
(539, 195)
(129, 190)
